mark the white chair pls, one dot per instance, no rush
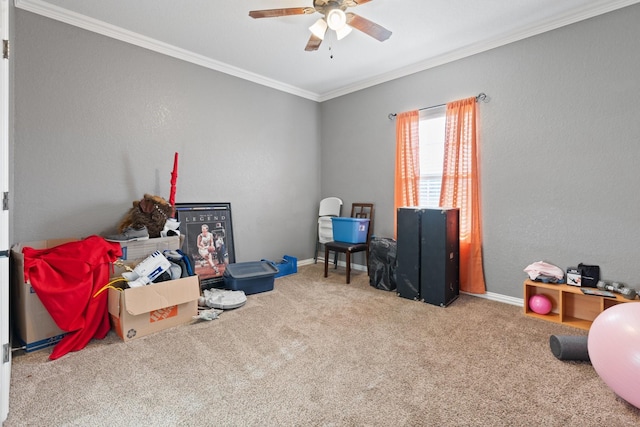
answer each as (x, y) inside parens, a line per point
(330, 206)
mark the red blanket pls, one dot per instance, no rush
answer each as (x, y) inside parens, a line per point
(65, 279)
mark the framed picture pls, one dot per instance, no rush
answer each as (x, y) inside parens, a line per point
(208, 239)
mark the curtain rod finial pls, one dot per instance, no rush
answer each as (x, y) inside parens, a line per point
(391, 116)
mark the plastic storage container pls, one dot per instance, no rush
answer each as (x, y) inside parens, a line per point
(288, 265)
(251, 277)
(350, 230)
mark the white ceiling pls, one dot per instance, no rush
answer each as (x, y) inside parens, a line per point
(220, 35)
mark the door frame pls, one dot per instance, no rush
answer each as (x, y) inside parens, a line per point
(5, 346)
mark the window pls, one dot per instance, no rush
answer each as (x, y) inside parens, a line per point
(432, 126)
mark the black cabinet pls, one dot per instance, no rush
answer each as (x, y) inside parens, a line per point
(428, 255)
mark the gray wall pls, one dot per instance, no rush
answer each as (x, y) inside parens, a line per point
(97, 122)
(560, 144)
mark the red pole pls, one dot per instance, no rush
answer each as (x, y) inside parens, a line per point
(174, 179)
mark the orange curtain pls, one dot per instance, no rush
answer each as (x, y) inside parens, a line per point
(461, 189)
(407, 177)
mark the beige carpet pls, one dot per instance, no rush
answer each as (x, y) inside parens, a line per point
(318, 352)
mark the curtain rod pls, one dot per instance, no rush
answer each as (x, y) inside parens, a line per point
(482, 97)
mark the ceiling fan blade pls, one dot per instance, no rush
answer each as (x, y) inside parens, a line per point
(313, 43)
(274, 13)
(376, 31)
(354, 3)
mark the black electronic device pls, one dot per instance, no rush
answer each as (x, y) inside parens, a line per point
(428, 254)
(598, 292)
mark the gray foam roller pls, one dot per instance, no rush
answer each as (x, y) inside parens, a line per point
(569, 347)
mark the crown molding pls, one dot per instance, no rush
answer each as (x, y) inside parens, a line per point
(43, 8)
(81, 21)
(473, 49)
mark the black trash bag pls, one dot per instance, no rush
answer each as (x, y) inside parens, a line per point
(383, 263)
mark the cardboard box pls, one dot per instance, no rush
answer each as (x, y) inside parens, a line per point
(140, 249)
(350, 230)
(33, 326)
(136, 312)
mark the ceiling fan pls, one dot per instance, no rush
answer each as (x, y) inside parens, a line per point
(334, 18)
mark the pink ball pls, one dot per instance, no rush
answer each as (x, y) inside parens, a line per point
(540, 304)
(614, 349)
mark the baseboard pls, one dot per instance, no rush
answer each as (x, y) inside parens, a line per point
(309, 261)
(488, 295)
(340, 263)
(499, 298)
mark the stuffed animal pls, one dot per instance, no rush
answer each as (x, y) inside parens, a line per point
(151, 211)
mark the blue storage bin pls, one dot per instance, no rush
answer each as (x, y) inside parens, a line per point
(288, 265)
(251, 277)
(350, 230)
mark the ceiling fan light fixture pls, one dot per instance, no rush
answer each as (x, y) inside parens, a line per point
(319, 28)
(343, 32)
(337, 19)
